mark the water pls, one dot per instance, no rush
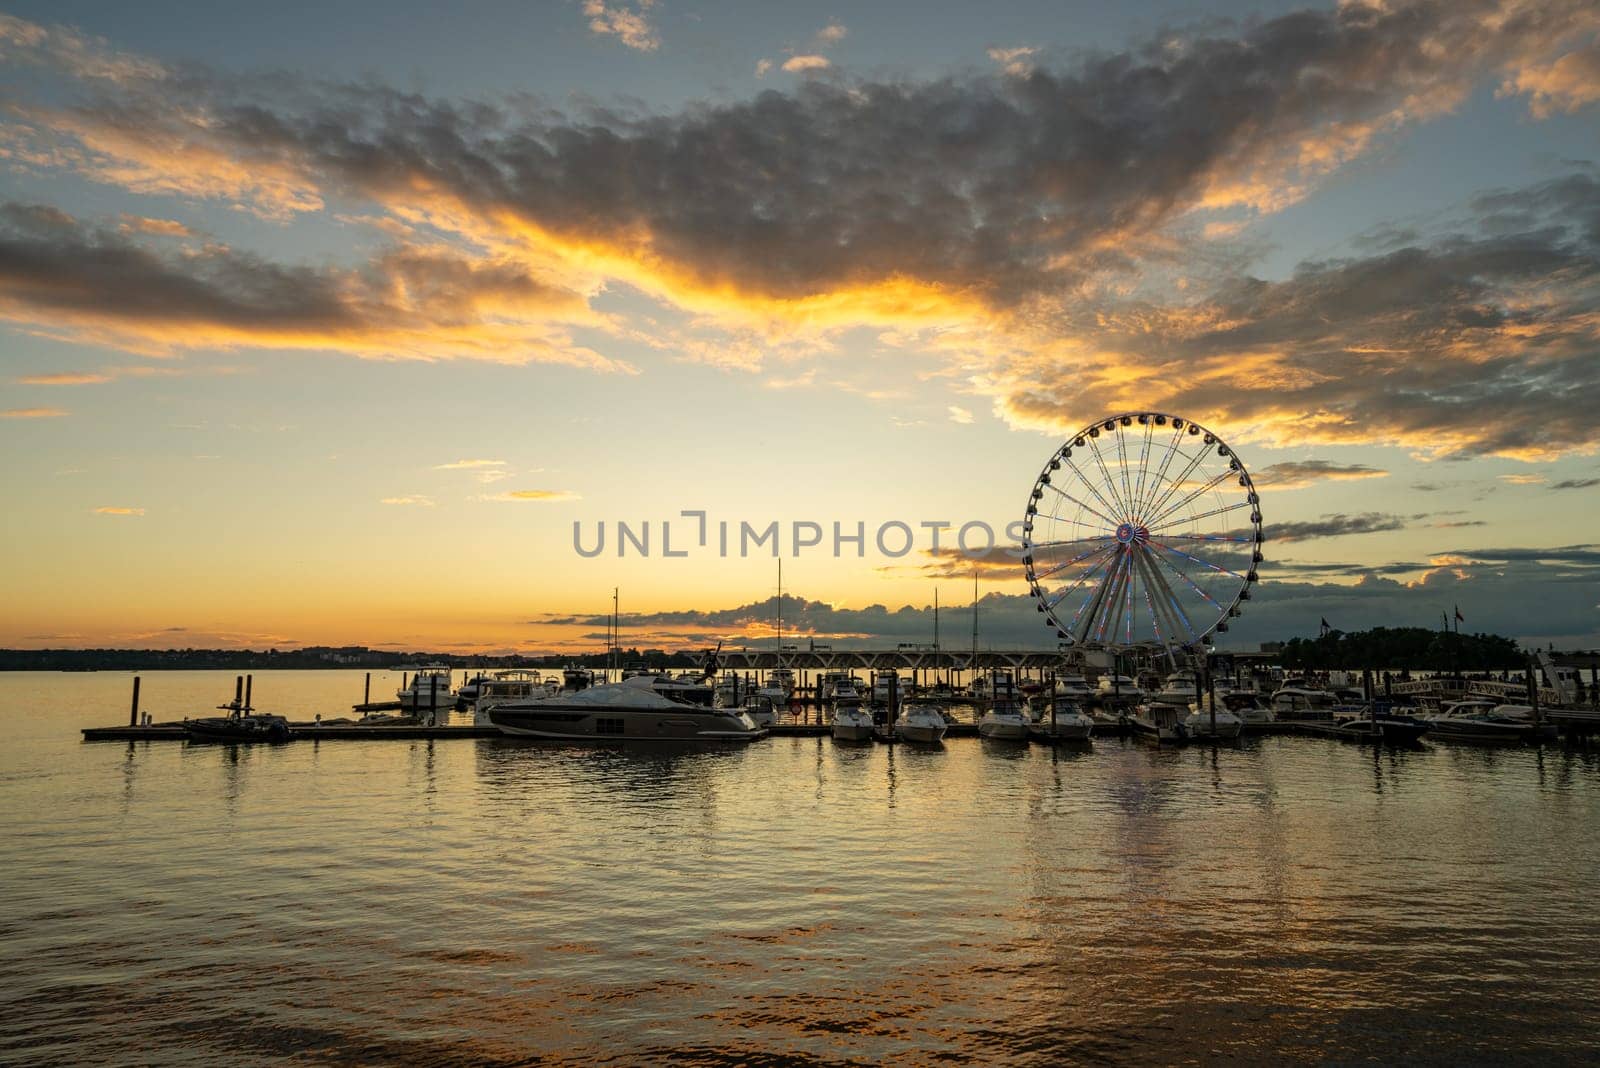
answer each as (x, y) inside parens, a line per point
(496, 902)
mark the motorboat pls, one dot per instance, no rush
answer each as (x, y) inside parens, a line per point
(627, 711)
(428, 691)
(1119, 688)
(921, 723)
(851, 722)
(1251, 709)
(1059, 717)
(1212, 723)
(1480, 721)
(1005, 717)
(467, 696)
(1074, 687)
(505, 687)
(761, 709)
(829, 683)
(1180, 688)
(1162, 722)
(575, 678)
(1302, 703)
(887, 686)
(782, 678)
(241, 724)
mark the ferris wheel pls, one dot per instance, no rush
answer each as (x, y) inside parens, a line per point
(1142, 529)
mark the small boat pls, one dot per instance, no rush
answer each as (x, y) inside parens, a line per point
(428, 691)
(1180, 688)
(1161, 722)
(1251, 708)
(921, 723)
(1119, 687)
(1074, 687)
(1005, 718)
(574, 678)
(1302, 703)
(504, 687)
(887, 685)
(467, 696)
(1479, 721)
(241, 724)
(1059, 717)
(851, 722)
(761, 710)
(829, 684)
(1218, 725)
(782, 679)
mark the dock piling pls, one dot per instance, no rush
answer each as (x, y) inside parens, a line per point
(366, 690)
(249, 684)
(133, 713)
(238, 692)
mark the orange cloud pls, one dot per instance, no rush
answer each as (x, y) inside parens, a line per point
(116, 510)
(537, 495)
(33, 413)
(65, 378)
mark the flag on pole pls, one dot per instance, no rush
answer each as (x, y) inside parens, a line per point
(1459, 617)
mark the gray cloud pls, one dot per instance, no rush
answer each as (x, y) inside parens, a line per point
(423, 302)
(1297, 474)
(1480, 341)
(1536, 595)
(1575, 483)
(1334, 526)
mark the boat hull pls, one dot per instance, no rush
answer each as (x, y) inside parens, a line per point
(553, 721)
(920, 733)
(1044, 731)
(233, 730)
(1003, 731)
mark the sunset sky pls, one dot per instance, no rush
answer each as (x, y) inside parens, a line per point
(323, 324)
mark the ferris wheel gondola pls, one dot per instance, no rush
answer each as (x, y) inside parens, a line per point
(1142, 529)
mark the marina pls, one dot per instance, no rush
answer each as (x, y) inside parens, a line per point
(1122, 872)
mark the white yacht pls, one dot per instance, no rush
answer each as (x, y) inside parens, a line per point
(628, 711)
(1180, 688)
(761, 709)
(782, 678)
(921, 723)
(830, 682)
(1075, 687)
(467, 696)
(1481, 721)
(1120, 687)
(851, 722)
(1221, 725)
(1251, 708)
(1303, 703)
(1161, 721)
(1059, 717)
(1005, 717)
(882, 681)
(504, 687)
(428, 691)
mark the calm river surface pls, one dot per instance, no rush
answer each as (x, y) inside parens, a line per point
(795, 901)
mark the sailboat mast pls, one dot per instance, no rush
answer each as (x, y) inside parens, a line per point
(974, 623)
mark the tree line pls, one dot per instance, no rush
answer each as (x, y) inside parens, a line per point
(1402, 648)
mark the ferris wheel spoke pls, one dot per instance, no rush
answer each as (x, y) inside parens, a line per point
(1108, 603)
(1095, 593)
(1047, 572)
(1110, 483)
(1090, 485)
(1144, 460)
(1169, 597)
(1176, 484)
(1234, 507)
(1081, 504)
(1057, 542)
(1210, 484)
(1085, 577)
(1122, 460)
(1169, 451)
(1196, 560)
(1150, 604)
